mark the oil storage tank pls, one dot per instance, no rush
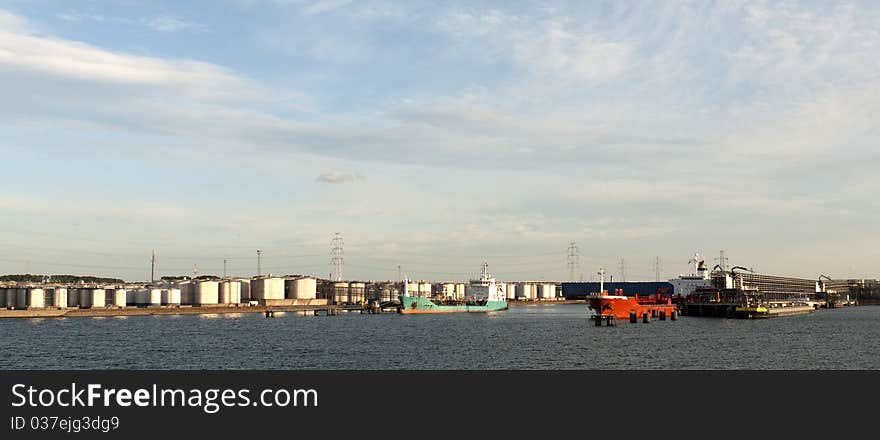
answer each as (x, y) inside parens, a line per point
(171, 297)
(340, 292)
(36, 298)
(9, 298)
(302, 288)
(245, 289)
(424, 289)
(186, 292)
(356, 290)
(155, 298)
(267, 288)
(142, 297)
(119, 298)
(92, 298)
(57, 298)
(21, 298)
(206, 293)
(230, 292)
(73, 297)
(524, 291)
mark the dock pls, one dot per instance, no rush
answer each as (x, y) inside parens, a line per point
(268, 311)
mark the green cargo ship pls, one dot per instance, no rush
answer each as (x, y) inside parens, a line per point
(481, 295)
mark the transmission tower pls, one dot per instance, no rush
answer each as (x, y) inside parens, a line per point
(622, 270)
(153, 267)
(658, 268)
(573, 260)
(336, 253)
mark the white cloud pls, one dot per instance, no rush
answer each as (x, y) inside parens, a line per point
(322, 6)
(161, 23)
(170, 24)
(337, 177)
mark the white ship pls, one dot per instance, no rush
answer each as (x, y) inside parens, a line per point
(684, 285)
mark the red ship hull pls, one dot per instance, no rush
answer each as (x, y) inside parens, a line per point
(624, 307)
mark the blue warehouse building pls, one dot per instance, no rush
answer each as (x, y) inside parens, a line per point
(630, 288)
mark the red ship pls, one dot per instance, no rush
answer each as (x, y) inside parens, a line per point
(619, 306)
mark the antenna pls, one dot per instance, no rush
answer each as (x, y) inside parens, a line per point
(573, 260)
(336, 260)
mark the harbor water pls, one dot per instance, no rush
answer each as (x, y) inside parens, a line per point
(550, 337)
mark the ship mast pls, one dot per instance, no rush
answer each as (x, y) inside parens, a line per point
(601, 280)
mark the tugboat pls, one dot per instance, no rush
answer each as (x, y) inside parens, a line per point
(481, 295)
(619, 306)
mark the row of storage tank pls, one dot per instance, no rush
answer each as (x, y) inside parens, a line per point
(198, 293)
(237, 291)
(342, 292)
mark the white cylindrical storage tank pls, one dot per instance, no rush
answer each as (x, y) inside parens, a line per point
(59, 298)
(448, 290)
(230, 292)
(425, 289)
(166, 295)
(155, 299)
(120, 298)
(553, 291)
(412, 289)
(131, 298)
(305, 288)
(173, 297)
(224, 292)
(356, 292)
(459, 291)
(510, 293)
(542, 291)
(267, 288)
(340, 292)
(234, 292)
(36, 299)
(206, 293)
(524, 291)
(99, 298)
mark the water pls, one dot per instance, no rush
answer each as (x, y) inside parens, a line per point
(525, 337)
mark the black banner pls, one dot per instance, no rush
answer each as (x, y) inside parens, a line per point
(123, 404)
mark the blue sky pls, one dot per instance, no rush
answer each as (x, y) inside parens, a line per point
(433, 135)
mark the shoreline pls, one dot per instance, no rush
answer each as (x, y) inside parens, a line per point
(209, 310)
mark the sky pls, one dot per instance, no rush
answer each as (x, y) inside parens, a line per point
(436, 135)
